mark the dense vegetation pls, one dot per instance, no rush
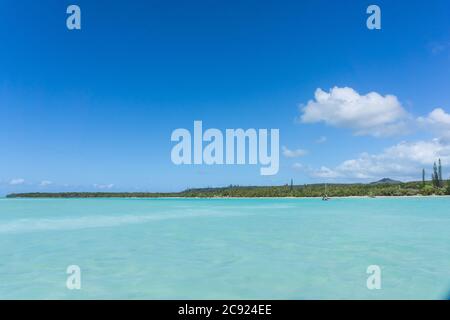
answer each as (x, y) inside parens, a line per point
(389, 188)
(384, 187)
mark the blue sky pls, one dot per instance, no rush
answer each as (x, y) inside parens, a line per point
(93, 109)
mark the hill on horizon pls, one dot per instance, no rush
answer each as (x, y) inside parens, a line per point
(386, 181)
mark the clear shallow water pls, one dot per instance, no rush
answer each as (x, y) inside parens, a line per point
(225, 248)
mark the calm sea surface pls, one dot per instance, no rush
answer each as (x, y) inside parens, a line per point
(225, 248)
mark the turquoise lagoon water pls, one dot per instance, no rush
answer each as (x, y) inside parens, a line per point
(225, 248)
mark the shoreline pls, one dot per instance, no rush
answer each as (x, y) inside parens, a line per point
(385, 188)
(221, 198)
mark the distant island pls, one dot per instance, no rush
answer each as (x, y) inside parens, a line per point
(383, 187)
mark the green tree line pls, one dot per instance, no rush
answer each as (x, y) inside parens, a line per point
(437, 186)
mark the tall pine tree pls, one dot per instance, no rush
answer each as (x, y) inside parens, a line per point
(435, 176)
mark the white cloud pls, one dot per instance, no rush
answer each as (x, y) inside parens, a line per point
(420, 152)
(325, 172)
(293, 153)
(45, 183)
(370, 114)
(438, 121)
(17, 181)
(403, 161)
(322, 139)
(104, 186)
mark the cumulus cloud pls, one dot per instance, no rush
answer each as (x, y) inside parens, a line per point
(403, 161)
(369, 114)
(438, 121)
(293, 153)
(17, 181)
(45, 183)
(322, 139)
